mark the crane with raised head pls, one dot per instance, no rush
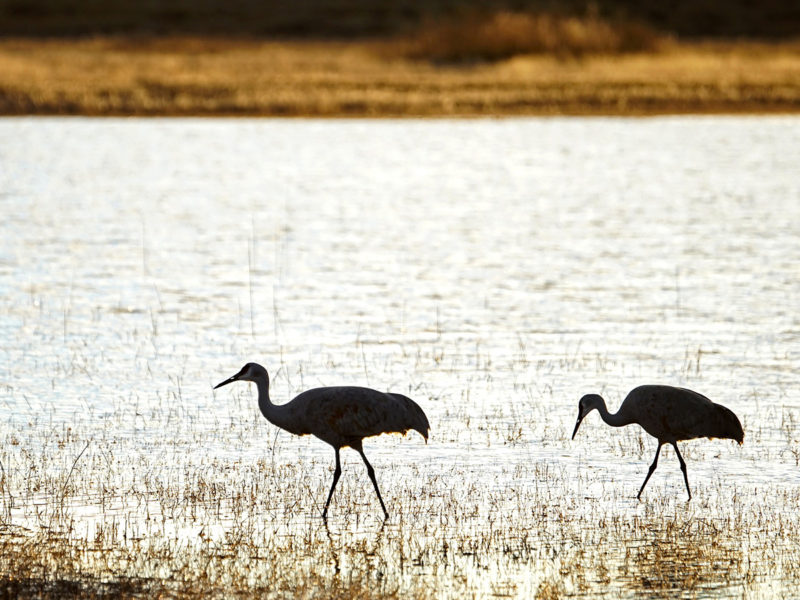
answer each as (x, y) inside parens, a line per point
(669, 414)
(341, 416)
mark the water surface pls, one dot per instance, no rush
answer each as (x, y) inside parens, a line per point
(494, 270)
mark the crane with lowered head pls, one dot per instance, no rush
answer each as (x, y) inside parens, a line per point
(669, 414)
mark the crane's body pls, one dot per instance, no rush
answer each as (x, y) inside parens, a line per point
(341, 416)
(669, 414)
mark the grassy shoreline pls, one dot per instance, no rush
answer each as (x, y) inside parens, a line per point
(189, 76)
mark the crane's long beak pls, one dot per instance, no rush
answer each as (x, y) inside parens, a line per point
(577, 424)
(227, 381)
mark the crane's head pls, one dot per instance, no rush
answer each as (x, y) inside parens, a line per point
(586, 405)
(249, 372)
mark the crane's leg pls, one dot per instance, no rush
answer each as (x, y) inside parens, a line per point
(650, 472)
(371, 473)
(683, 468)
(336, 473)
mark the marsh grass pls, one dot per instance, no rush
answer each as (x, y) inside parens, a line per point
(193, 76)
(123, 517)
(184, 494)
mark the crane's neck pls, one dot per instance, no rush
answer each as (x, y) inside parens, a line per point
(618, 419)
(271, 412)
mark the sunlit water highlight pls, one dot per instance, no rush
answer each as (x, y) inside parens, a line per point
(494, 270)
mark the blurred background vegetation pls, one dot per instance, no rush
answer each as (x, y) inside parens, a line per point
(348, 19)
(398, 57)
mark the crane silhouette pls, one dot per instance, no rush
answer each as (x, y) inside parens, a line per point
(341, 416)
(670, 415)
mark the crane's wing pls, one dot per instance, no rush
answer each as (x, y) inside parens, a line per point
(671, 413)
(353, 413)
(700, 417)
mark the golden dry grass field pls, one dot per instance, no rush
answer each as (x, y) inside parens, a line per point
(182, 76)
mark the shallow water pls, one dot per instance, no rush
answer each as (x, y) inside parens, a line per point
(494, 270)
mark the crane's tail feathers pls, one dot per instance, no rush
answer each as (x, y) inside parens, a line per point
(425, 430)
(425, 434)
(414, 417)
(728, 425)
